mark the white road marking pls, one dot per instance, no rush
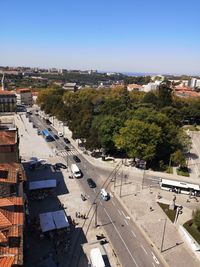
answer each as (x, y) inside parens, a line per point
(123, 214)
(126, 221)
(121, 238)
(119, 212)
(133, 233)
(153, 264)
(144, 249)
(154, 258)
(101, 203)
(94, 190)
(113, 203)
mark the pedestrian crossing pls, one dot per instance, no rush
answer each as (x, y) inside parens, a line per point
(64, 153)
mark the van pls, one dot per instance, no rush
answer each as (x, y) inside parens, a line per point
(104, 195)
(76, 171)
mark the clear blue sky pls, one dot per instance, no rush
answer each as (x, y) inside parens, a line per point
(129, 35)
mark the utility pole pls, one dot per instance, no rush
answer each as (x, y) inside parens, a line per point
(95, 215)
(120, 194)
(163, 236)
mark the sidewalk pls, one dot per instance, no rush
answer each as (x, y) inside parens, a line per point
(152, 223)
(137, 203)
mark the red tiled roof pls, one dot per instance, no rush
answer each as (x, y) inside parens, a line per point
(134, 86)
(23, 90)
(6, 261)
(10, 251)
(4, 222)
(8, 137)
(8, 172)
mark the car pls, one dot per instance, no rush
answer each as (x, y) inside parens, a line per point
(66, 140)
(55, 136)
(49, 129)
(60, 134)
(104, 195)
(59, 166)
(91, 183)
(67, 148)
(76, 159)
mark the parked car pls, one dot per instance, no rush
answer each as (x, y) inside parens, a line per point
(59, 166)
(67, 148)
(91, 183)
(76, 159)
(104, 195)
(56, 137)
(66, 140)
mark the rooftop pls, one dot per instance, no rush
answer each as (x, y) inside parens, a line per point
(11, 172)
(23, 90)
(8, 137)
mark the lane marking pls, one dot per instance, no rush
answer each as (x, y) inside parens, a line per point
(126, 221)
(113, 203)
(119, 212)
(144, 249)
(133, 233)
(101, 203)
(121, 238)
(94, 190)
(153, 264)
(123, 214)
(154, 258)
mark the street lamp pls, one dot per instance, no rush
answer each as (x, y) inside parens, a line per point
(163, 235)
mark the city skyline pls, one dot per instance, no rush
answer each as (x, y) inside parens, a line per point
(147, 37)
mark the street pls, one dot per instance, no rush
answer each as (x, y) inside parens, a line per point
(129, 244)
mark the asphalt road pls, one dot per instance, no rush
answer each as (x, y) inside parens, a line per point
(127, 240)
(194, 155)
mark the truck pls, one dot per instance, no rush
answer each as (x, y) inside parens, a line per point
(96, 258)
(76, 171)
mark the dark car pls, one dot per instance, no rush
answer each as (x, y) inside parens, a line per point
(56, 137)
(76, 159)
(59, 166)
(67, 148)
(91, 183)
(66, 140)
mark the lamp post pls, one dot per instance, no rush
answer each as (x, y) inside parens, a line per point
(163, 234)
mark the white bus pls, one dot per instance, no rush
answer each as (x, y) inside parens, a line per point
(180, 187)
(76, 171)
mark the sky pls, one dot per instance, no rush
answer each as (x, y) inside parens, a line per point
(153, 36)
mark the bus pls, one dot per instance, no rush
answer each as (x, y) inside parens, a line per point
(47, 136)
(180, 187)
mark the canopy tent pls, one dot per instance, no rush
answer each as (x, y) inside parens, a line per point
(60, 219)
(42, 184)
(53, 220)
(46, 222)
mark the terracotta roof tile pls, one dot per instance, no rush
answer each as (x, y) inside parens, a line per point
(2, 92)
(8, 137)
(6, 261)
(4, 221)
(8, 172)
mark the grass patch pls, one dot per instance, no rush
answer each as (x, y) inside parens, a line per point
(183, 173)
(169, 170)
(170, 213)
(192, 230)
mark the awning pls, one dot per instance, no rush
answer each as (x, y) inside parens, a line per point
(46, 222)
(42, 184)
(53, 220)
(60, 219)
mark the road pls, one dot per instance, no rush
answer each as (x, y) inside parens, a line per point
(127, 240)
(194, 155)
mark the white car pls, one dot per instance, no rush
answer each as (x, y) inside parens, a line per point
(60, 134)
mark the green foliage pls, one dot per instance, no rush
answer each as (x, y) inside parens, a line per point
(178, 158)
(196, 218)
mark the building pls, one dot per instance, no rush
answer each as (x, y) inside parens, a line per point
(193, 83)
(70, 87)
(9, 150)
(184, 91)
(7, 101)
(12, 176)
(11, 231)
(24, 97)
(134, 87)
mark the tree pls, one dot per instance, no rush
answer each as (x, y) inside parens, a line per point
(178, 158)
(150, 98)
(164, 96)
(196, 218)
(139, 139)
